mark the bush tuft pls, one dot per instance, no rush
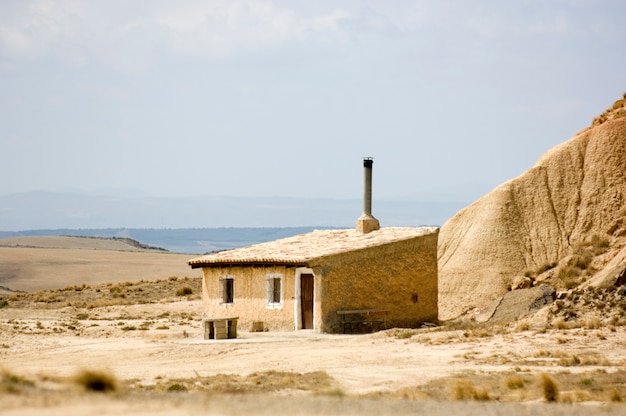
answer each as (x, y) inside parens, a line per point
(550, 389)
(97, 381)
(177, 387)
(184, 291)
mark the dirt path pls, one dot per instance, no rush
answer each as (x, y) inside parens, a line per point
(51, 343)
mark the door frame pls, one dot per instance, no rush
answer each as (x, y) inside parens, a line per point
(297, 305)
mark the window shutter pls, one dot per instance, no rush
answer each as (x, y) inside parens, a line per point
(276, 290)
(268, 290)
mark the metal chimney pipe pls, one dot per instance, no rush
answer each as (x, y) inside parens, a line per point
(368, 162)
(366, 222)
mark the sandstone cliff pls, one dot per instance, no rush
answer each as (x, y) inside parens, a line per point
(561, 222)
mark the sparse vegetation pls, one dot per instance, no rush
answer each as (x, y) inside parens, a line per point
(466, 390)
(258, 382)
(177, 387)
(575, 269)
(184, 291)
(108, 294)
(514, 382)
(539, 270)
(617, 110)
(12, 383)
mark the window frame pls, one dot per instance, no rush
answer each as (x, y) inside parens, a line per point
(224, 284)
(270, 291)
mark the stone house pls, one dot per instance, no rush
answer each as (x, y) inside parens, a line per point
(316, 280)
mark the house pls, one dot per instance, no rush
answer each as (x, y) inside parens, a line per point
(326, 279)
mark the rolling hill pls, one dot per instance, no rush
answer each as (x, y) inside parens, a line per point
(562, 222)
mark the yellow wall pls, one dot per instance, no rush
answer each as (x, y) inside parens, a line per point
(385, 277)
(250, 296)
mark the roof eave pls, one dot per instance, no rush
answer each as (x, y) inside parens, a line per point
(251, 263)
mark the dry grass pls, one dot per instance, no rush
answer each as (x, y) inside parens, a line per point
(318, 382)
(465, 389)
(617, 110)
(550, 388)
(597, 385)
(109, 294)
(184, 291)
(576, 268)
(539, 270)
(12, 383)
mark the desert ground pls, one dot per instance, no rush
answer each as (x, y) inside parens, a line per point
(136, 347)
(36, 263)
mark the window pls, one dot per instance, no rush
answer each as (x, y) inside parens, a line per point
(227, 288)
(274, 293)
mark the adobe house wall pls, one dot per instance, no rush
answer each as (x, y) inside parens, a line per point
(400, 277)
(249, 296)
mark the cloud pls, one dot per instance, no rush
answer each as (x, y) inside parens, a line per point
(104, 91)
(82, 32)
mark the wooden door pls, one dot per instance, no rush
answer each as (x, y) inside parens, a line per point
(306, 300)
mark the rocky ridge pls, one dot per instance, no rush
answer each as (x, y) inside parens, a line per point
(562, 223)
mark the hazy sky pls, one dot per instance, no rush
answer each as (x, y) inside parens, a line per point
(249, 98)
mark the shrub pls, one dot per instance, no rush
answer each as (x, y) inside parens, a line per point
(592, 322)
(545, 267)
(464, 390)
(615, 396)
(12, 383)
(183, 291)
(515, 382)
(3, 303)
(97, 381)
(177, 387)
(568, 272)
(596, 244)
(550, 389)
(581, 261)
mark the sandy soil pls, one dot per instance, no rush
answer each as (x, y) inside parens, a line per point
(373, 373)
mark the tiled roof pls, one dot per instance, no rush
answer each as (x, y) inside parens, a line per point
(300, 249)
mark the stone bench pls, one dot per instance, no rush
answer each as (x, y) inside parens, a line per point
(220, 327)
(372, 319)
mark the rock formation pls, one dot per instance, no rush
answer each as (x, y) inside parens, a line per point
(562, 222)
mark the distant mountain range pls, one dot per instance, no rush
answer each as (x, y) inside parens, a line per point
(203, 223)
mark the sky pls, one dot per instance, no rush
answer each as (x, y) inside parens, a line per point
(285, 98)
